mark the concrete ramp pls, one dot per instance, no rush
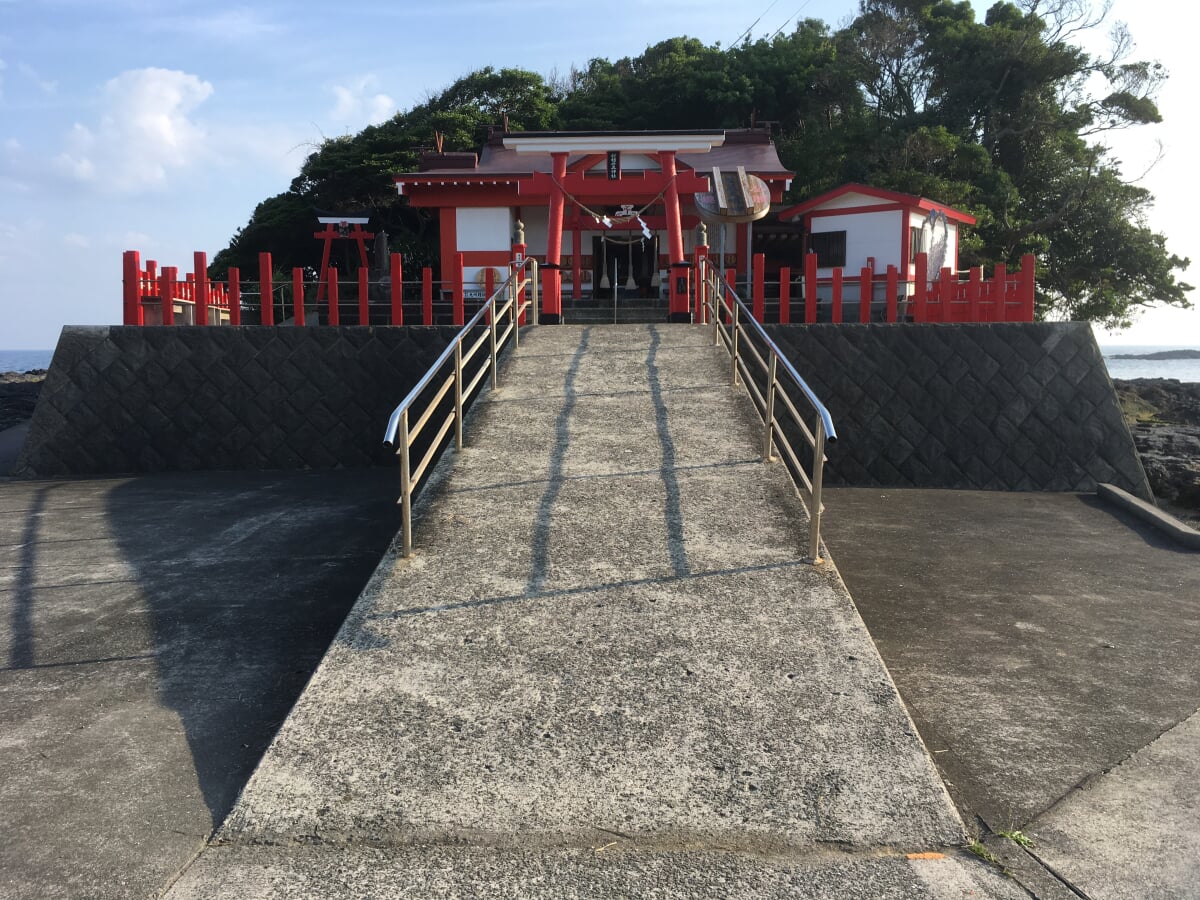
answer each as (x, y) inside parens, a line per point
(606, 671)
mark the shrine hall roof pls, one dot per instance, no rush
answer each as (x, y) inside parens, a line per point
(750, 148)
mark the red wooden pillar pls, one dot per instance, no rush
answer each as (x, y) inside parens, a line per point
(552, 295)
(1028, 271)
(460, 317)
(489, 288)
(975, 295)
(396, 282)
(810, 288)
(298, 295)
(166, 294)
(678, 302)
(576, 262)
(731, 280)
(235, 296)
(131, 286)
(364, 296)
(759, 268)
(947, 292)
(785, 295)
(999, 293)
(835, 314)
(921, 289)
(866, 292)
(266, 291)
(200, 268)
(427, 295)
(893, 290)
(331, 282)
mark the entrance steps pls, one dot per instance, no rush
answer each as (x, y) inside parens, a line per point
(606, 670)
(636, 311)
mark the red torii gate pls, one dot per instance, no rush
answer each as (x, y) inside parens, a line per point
(337, 228)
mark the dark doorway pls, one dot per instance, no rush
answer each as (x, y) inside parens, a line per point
(628, 252)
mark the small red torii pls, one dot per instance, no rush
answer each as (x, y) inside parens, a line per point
(338, 227)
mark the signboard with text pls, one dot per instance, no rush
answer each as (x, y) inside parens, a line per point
(614, 165)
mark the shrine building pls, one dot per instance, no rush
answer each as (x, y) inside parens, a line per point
(593, 207)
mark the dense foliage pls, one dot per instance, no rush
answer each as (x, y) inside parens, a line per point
(1003, 118)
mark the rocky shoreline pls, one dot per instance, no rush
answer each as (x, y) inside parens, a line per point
(1163, 415)
(18, 395)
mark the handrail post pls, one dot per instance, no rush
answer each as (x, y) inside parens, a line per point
(769, 425)
(458, 380)
(818, 473)
(534, 302)
(734, 349)
(405, 487)
(492, 327)
(514, 302)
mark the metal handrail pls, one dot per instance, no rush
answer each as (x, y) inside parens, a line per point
(401, 436)
(735, 335)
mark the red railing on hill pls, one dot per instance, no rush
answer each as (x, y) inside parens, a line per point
(868, 296)
(871, 296)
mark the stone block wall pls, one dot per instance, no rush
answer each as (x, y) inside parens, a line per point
(129, 399)
(1026, 407)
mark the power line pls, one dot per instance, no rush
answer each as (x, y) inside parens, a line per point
(789, 18)
(755, 22)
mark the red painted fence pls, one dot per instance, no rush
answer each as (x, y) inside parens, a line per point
(866, 296)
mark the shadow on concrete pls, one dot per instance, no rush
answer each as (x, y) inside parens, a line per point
(247, 579)
(155, 632)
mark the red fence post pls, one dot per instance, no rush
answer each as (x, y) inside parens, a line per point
(836, 310)
(266, 290)
(975, 294)
(166, 294)
(131, 286)
(364, 300)
(866, 291)
(810, 288)
(921, 289)
(947, 292)
(999, 293)
(759, 270)
(785, 295)
(731, 280)
(893, 290)
(396, 273)
(298, 295)
(460, 316)
(1028, 271)
(331, 291)
(427, 295)
(200, 268)
(235, 296)
(489, 287)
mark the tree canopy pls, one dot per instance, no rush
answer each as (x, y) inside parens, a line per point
(1003, 118)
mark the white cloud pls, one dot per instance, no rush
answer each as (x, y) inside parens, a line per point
(73, 239)
(356, 104)
(145, 131)
(44, 85)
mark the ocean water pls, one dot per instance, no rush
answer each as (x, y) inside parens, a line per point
(1123, 369)
(24, 360)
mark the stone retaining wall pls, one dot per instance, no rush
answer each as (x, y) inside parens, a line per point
(1026, 407)
(130, 399)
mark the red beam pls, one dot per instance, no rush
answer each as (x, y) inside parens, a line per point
(266, 291)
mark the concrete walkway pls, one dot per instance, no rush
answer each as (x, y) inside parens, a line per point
(606, 671)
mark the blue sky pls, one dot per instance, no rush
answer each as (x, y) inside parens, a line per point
(157, 126)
